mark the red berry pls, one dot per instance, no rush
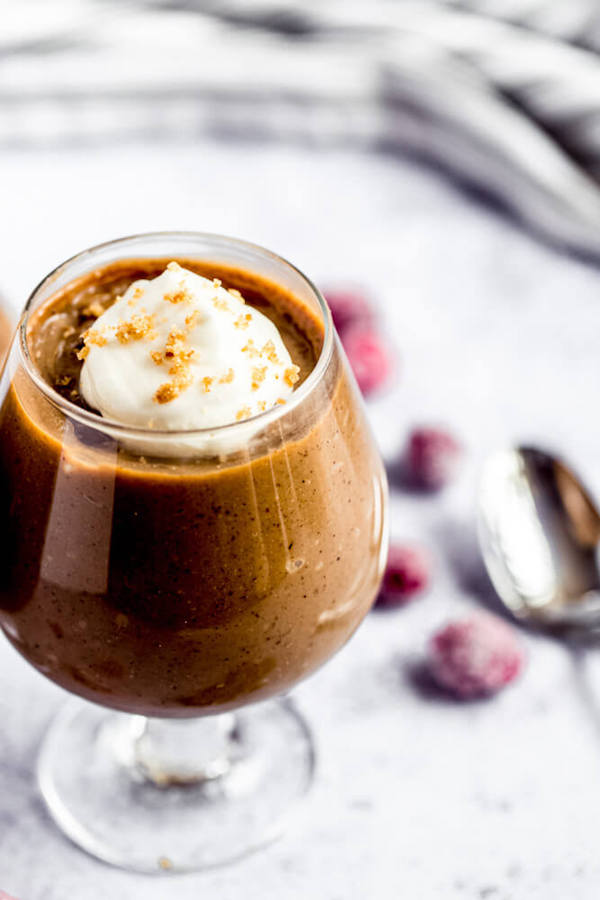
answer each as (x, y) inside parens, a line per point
(369, 357)
(475, 657)
(349, 307)
(432, 457)
(5, 896)
(406, 574)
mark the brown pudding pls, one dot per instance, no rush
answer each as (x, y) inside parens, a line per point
(177, 587)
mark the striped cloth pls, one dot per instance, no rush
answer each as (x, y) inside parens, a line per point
(504, 93)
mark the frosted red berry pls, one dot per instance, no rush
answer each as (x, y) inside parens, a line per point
(406, 575)
(369, 357)
(475, 657)
(432, 457)
(349, 308)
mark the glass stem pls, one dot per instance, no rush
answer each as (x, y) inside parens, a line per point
(184, 751)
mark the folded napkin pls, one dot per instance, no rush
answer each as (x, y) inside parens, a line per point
(506, 95)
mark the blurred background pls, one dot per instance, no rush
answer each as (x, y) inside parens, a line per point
(442, 159)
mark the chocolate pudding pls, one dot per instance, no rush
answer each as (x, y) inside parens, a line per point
(182, 585)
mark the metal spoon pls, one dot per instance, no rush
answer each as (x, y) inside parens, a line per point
(539, 533)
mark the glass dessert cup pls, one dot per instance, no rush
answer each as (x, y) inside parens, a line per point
(175, 579)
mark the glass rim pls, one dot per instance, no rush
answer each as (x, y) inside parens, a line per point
(99, 422)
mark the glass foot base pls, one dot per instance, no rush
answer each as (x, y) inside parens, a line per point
(106, 797)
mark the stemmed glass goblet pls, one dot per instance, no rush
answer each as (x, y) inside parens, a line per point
(177, 589)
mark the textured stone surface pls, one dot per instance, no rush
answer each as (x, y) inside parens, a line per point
(416, 796)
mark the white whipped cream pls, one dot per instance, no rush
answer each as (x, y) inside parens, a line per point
(180, 352)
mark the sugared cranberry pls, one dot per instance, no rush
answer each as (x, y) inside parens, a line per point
(5, 896)
(475, 657)
(369, 357)
(432, 457)
(406, 574)
(348, 308)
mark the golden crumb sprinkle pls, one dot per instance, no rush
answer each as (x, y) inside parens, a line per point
(242, 413)
(137, 328)
(217, 282)
(262, 405)
(173, 266)
(281, 401)
(95, 309)
(165, 863)
(94, 337)
(180, 365)
(291, 375)
(91, 338)
(236, 293)
(179, 354)
(220, 303)
(243, 321)
(206, 383)
(258, 376)
(175, 339)
(228, 377)
(192, 320)
(138, 292)
(170, 390)
(180, 296)
(165, 393)
(269, 351)
(250, 348)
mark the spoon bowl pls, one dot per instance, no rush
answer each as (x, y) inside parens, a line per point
(539, 533)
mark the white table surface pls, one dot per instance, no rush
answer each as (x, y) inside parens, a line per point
(416, 796)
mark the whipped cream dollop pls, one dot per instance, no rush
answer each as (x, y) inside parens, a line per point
(180, 352)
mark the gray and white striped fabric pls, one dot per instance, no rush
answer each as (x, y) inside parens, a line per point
(505, 93)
